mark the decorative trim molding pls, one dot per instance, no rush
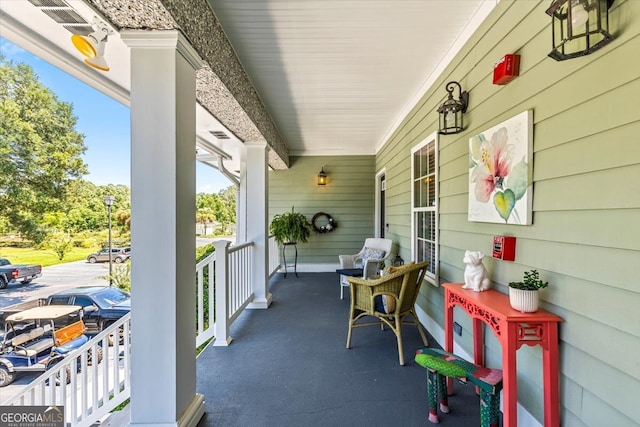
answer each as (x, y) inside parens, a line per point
(194, 412)
(161, 40)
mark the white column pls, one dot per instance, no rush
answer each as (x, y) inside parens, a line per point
(242, 214)
(257, 202)
(163, 123)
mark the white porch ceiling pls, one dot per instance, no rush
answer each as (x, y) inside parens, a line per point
(337, 76)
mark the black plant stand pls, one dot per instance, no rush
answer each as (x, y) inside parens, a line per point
(295, 259)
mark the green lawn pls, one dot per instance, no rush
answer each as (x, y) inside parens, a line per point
(44, 257)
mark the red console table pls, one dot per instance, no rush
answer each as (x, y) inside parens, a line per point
(513, 329)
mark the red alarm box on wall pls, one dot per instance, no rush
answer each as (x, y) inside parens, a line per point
(506, 69)
(504, 248)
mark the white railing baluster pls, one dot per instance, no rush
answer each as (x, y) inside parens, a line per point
(200, 293)
(212, 293)
(106, 366)
(84, 380)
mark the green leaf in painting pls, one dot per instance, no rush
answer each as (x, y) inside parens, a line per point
(475, 143)
(518, 179)
(504, 203)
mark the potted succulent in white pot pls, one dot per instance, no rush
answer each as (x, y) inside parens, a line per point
(523, 295)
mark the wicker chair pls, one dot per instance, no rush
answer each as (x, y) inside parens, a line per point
(400, 289)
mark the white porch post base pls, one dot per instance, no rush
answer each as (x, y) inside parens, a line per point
(259, 303)
(193, 413)
(222, 342)
(190, 418)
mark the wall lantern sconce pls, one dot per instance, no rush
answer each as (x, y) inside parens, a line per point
(579, 27)
(92, 46)
(451, 111)
(322, 177)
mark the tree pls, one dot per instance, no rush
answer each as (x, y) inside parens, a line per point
(205, 216)
(40, 151)
(223, 206)
(123, 219)
(227, 216)
(120, 276)
(60, 243)
(86, 209)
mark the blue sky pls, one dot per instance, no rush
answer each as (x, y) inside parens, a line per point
(104, 122)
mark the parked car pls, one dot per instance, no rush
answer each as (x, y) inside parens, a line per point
(10, 273)
(36, 339)
(18, 307)
(117, 255)
(102, 305)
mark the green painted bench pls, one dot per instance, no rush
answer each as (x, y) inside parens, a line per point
(441, 364)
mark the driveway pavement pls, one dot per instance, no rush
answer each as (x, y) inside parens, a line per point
(56, 278)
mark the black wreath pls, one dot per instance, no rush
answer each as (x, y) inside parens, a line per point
(326, 228)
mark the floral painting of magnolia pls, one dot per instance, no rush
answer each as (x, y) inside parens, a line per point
(500, 168)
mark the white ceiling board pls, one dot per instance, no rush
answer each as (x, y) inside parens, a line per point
(337, 75)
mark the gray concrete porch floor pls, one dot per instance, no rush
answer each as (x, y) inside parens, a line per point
(288, 366)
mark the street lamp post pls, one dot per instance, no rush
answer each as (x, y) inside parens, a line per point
(108, 201)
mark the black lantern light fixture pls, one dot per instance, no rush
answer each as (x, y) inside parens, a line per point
(322, 177)
(451, 111)
(579, 27)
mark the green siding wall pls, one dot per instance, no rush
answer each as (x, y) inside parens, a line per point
(348, 198)
(585, 237)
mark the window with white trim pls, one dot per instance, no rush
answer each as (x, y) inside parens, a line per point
(424, 205)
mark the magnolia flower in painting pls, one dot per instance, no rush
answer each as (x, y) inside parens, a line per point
(492, 161)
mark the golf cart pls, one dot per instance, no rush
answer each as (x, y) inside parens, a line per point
(36, 339)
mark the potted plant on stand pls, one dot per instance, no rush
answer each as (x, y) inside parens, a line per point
(523, 295)
(290, 228)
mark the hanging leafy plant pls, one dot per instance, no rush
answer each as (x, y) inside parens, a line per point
(290, 227)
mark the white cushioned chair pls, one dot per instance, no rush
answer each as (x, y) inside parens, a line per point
(374, 251)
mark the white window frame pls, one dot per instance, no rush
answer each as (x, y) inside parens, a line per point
(431, 276)
(378, 202)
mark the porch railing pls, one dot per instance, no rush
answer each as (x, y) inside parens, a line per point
(225, 275)
(89, 391)
(90, 382)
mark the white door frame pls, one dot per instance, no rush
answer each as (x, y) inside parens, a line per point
(378, 220)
